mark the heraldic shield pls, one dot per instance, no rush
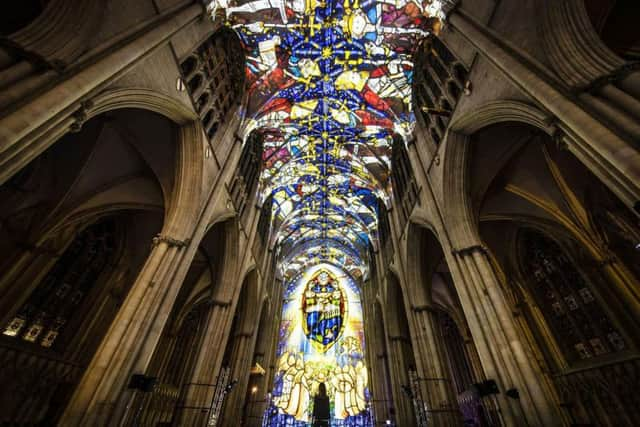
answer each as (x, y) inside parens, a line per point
(323, 310)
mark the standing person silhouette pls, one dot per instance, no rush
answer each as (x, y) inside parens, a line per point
(321, 407)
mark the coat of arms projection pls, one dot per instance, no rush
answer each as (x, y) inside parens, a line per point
(328, 87)
(323, 310)
(321, 340)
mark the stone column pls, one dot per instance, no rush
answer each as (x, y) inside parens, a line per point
(199, 390)
(500, 346)
(382, 398)
(375, 353)
(241, 357)
(435, 383)
(400, 377)
(267, 359)
(611, 157)
(130, 340)
(30, 129)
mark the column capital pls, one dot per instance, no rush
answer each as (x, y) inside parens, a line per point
(219, 303)
(558, 135)
(170, 241)
(470, 249)
(81, 115)
(422, 307)
(398, 338)
(243, 335)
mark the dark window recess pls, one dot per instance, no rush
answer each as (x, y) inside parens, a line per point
(568, 300)
(60, 294)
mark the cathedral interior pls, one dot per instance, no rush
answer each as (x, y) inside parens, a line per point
(210, 208)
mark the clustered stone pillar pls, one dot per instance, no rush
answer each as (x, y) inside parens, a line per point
(376, 354)
(435, 382)
(610, 156)
(499, 345)
(241, 358)
(382, 400)
(101, 395)
(266, 356)
(399, 373)
(200, 390)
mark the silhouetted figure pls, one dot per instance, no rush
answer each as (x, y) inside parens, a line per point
(321, 407)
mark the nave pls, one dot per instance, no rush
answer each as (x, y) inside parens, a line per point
(346, 213)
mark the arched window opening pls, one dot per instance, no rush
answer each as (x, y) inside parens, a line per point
(211, 130)
(567, 298)
(384, 231)
(206, 120)
(445, 104)
(59, 296)
(439, 75)
(405, 189)
(454, 92)
(434, 136)
(189, 66)
(246, 178)
(219, 70)
(195, 83)
(433, 86)
(264, 222)
(460, 73)
(434, 62)
(443, 51)
(203, 100)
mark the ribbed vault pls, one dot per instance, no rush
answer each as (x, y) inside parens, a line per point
(328, 86)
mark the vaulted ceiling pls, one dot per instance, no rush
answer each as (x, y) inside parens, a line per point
(328, 85)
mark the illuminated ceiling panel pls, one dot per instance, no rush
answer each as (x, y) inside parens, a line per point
(328, 85)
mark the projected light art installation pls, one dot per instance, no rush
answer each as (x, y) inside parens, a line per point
(321, 340)
(328, 87)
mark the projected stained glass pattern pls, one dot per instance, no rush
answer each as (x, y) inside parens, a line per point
(328, 84)
(321, 340)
